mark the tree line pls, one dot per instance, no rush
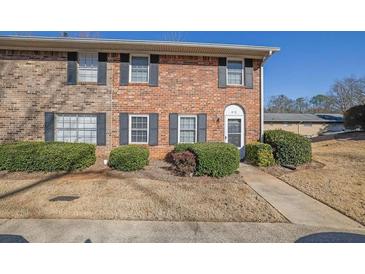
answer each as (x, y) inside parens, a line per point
(342, 95)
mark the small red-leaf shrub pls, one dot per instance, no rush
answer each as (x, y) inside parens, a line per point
(184, 163)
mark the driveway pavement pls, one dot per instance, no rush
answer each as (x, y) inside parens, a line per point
(80, 231)
(296, 206)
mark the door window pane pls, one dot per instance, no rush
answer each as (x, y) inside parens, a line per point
(234, 132)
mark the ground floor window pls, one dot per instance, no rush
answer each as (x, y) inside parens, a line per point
(187, 129)
(138, 129)
(75, 128)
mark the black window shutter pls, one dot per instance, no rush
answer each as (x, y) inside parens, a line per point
(222, 73)
(202, 128)
(102, 68)
(49, 126)
(153, 73)
(101, 129)
(123, 128)
(72, 68)
(248, 73)
(153, 129)
(124, 69)
(173, 128)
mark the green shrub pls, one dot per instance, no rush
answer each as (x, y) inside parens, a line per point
(182, 147)
(42, 156)
(354, 118)
(213, 159)
(128, 157)
(288, 148)
(259, 154)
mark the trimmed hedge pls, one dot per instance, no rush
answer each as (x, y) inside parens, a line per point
(289, 148)
(213, 159)
(259, 154)
(128, 157)
(354, 118)
(46, 156)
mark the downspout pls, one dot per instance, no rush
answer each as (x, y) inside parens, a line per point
(262, 96)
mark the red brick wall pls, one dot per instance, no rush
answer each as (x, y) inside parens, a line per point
(33, 82)
(187, 85)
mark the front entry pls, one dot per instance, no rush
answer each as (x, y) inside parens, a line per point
(234, 129)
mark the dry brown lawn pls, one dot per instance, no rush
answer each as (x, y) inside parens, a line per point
(338, 176)
(152, 194)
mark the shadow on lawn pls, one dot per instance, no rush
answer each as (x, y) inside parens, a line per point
(37, 183)
(332, 237)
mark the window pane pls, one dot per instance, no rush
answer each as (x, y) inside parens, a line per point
(234, 139)
(139, 136)
(187, 136)
(187, 123)
(75, 128)
(139, 122)
(88, 67)
(139, 69)
(234, 71)
(234, 125)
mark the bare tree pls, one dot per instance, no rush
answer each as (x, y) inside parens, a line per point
(348, 92)
(280, 103)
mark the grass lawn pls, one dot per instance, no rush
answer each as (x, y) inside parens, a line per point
(337, 175)
(152, 194)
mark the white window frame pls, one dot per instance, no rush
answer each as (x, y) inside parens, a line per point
(130, 128)
(243, 70)
(130, 68)
(78, 66)
(77, 115)
(196, 127)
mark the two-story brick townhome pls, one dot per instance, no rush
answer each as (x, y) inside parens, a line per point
(114, 92)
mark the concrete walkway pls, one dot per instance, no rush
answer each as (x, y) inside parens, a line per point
(296, 206)
(117, 231)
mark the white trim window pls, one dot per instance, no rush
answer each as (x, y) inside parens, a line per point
(138, 129)
(139, 69)
(187, 129)
(75, 128)
(88, 67)
(235, 72)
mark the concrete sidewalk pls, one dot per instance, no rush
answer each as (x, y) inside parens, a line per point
(296, 206)
(116, 231)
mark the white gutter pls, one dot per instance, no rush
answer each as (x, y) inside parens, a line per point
(262, 96)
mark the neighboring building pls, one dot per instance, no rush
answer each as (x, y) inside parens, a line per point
(304, 124)
(113, 92)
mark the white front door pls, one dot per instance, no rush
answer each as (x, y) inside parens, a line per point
(234, 128)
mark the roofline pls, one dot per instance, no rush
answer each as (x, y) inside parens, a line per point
(58, 43)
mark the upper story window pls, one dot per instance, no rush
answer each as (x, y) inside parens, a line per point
(187, 129)
(88, 67)
(138, 129)
(235, 72)
(139, 69)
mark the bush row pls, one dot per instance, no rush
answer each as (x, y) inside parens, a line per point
(259, 154)
(128, 157)
(288, 148)
(213, 159)
(42, 156)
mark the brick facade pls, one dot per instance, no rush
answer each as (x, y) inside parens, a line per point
(34, 82)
